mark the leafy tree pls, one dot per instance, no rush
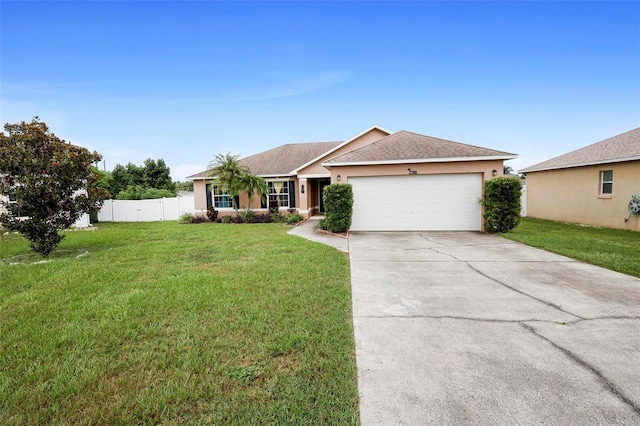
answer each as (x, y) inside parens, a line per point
(152, 175)
(157, 175)
(227, 172)
(507, 170)
(102, 182)
(44, 173)
(124, 176)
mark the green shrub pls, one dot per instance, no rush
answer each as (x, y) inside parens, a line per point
(154, 193)
(338, 206)
(200, 219)
(294, 218)
(501, 201)
(186, 218)
(226, 219)
(276, 218)
(248, 215)
(131, 192)
(137, 192)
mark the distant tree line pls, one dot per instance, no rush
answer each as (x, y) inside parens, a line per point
(132, 182)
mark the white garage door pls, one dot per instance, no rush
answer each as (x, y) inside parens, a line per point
(417, 203)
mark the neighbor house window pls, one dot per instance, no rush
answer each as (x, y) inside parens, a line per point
(221, 198)
(606, 182)
(279, 191)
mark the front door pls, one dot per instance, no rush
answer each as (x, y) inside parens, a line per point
(321, 184)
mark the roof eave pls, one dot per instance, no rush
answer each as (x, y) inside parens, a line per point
(277, 175)
(420, 160)
(571, 166)
(334, 149)
(264, 176)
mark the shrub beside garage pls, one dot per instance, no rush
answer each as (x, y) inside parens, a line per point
(501, 201)
(338, 206)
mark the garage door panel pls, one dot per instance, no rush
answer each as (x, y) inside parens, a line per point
(417, 202)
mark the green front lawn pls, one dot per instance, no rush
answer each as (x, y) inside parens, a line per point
(614, 249)
(176, 324)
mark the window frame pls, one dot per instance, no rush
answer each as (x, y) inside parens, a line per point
(217, 196)
(604, 182)
(282, 195)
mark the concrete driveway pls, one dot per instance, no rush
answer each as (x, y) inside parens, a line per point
(469, 328)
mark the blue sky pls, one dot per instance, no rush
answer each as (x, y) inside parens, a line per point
(184, 81)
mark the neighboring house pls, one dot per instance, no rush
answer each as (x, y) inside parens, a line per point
(82, 222)
(401, 181)
(592, 185)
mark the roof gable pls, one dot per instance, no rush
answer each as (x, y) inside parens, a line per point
(343, 144)
(623, 147)
(404, 146)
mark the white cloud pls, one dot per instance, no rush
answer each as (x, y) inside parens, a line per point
(180, 171)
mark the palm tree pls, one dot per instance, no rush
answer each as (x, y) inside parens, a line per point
(252, 184)
(227, 172)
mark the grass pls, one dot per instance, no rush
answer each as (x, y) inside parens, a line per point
(176, 324)
(614, 249)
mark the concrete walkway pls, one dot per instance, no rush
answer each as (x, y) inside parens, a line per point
(307, 229)
(469, 328)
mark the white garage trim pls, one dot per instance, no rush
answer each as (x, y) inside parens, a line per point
(443, 202)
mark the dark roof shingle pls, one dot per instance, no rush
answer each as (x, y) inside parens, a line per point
(618, 148)
(407, 146)
(280, 161)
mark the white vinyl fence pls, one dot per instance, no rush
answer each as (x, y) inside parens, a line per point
(146, 210)
(523, 201)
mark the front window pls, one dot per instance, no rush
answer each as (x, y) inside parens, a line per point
(606, 182)
(221, 198)
(279, 191)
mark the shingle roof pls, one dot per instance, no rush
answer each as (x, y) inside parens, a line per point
(406, 146)
(623, 147)
(282, 160)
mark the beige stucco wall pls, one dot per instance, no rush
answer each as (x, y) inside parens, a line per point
(573, 195)
(484, 167)
(200, 199)
(317, 169)
(200, 196)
